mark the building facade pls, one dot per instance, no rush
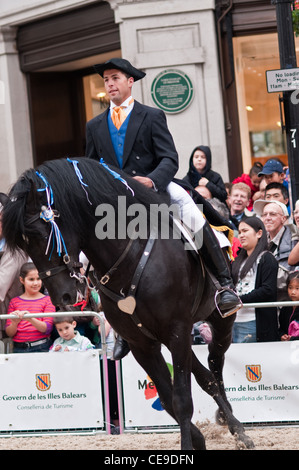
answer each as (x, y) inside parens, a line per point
(205, 65)
(46, 55)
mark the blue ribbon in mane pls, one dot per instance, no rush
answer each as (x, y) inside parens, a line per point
(80, 177)
(47, 214)
(115, 175)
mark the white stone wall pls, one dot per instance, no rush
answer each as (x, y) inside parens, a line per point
(15, 136)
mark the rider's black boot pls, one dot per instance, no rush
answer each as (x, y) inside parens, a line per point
(121, 348)
(227, 301)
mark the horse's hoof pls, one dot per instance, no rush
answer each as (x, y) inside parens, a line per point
(244, 442)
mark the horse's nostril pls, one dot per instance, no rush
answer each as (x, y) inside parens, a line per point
(66, 299)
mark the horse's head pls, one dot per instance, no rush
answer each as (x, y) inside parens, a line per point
(29, 223)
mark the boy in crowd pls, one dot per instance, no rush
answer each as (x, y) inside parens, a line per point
(273, 172)
(69, 339)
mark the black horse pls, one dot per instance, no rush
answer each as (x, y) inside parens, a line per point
(152, 289)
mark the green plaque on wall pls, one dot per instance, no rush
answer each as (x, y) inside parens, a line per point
(172, 91)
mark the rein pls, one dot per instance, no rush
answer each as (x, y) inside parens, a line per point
(106, 278)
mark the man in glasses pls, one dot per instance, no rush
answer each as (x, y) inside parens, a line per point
(282, 237)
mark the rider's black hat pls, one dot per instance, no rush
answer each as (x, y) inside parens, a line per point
(120, 64)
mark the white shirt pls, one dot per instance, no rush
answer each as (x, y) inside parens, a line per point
(125, 105)
(244, 286)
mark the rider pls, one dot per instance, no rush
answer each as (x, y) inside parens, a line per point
(142, 146)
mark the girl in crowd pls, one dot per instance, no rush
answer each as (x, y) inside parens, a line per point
(255, 275)
(32, 334)
(294, 255)
(201, 174)
(289, 316)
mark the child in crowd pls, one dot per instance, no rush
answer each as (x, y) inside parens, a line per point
(289, 316)
(32, 334)
(69, 339)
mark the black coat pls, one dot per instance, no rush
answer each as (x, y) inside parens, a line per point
(215, 184)
(265, 291)
(149, 149)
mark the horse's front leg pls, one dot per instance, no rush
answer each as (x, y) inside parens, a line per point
(180, 347)
(153, 362)
(222, 328)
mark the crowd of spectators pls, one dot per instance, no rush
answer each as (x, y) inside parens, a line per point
(265, 249)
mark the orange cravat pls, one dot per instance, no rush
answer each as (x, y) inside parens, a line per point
(118, 115)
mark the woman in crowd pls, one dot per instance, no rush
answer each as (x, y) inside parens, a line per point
(255, 275)
(201, 174)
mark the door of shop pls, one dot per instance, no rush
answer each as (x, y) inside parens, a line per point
(57, 115)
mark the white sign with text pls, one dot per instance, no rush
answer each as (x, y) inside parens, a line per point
(261, 380)
(282, 80)
(50, 391)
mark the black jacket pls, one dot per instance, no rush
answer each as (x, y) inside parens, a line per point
(149, 149)
(215, 184)
(285, 318)
(265, 291)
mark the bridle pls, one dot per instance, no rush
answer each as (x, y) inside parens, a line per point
(71, 266)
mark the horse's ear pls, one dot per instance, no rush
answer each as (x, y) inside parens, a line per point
(33, 200)
(3, 198)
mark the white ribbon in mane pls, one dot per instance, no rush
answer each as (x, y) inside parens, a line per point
(47, 214)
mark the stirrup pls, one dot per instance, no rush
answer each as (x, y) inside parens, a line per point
(234, 309)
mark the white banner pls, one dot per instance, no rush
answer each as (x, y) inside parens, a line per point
(261, 380)
(50, 391)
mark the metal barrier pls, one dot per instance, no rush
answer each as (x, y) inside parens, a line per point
(119, 372)
(101, 352)
(272, 304)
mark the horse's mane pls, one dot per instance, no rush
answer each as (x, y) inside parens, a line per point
(74, 201)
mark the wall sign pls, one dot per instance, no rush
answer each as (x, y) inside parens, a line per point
(282, 80)
(172, 91)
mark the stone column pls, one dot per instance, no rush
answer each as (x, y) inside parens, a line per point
(15, 133)
(157, 36)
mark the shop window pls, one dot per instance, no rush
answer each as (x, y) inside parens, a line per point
(96, 100)
(259, 111)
